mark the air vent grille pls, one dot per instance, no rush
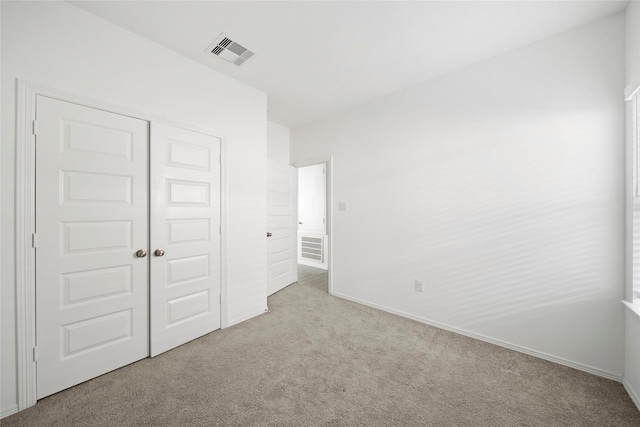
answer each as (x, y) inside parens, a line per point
(229, 50)
(312, 248)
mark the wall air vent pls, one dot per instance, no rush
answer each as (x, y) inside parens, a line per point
(229, 50)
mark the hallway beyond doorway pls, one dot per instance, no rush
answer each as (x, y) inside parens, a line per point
(315, 277)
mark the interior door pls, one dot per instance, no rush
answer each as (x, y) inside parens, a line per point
(91, 219)
(312, 199)
(281, 259)
(185, 236)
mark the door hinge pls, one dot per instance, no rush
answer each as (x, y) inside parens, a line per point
(34, 240)
(34, 128)
(35, 354)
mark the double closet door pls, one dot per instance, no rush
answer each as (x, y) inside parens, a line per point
(127, 240)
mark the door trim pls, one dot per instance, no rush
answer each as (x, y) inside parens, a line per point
(25, 219)
(329, 196)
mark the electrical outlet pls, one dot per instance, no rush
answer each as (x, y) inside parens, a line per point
(419, 286)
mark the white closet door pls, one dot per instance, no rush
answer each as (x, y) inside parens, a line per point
(91, 218)
(185, 239)
(281, 212)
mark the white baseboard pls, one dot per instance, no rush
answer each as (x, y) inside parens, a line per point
(244, 318)
(525, 350)
(9, 411)
(634, 396)
(313, 264)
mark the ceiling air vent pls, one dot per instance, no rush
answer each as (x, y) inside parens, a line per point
(229, 50)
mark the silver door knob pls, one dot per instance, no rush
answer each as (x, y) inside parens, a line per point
(158, 252)
(141, 253)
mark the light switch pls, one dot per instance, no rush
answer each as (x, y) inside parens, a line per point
(342, 206)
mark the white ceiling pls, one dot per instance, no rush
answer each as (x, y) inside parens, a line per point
(318, 58)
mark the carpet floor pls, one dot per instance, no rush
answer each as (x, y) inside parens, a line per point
(317, 360)
(314, 277)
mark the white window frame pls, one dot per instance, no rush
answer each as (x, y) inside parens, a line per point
(632, 291)
(635, 200)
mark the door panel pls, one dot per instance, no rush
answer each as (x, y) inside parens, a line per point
(312, 199)
(185, 221)
(91, 217)
(281, 219)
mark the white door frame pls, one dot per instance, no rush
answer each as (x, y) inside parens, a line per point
(25, 220)
(329, 195)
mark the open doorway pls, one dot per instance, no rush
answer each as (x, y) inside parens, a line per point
(313, 234)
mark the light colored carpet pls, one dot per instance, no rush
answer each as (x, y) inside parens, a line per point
(315, 277)
(316, 360)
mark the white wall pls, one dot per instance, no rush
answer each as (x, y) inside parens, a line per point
(58, 45)
(632, 44)
(278, 143)
(501, 186)
(632, 321)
